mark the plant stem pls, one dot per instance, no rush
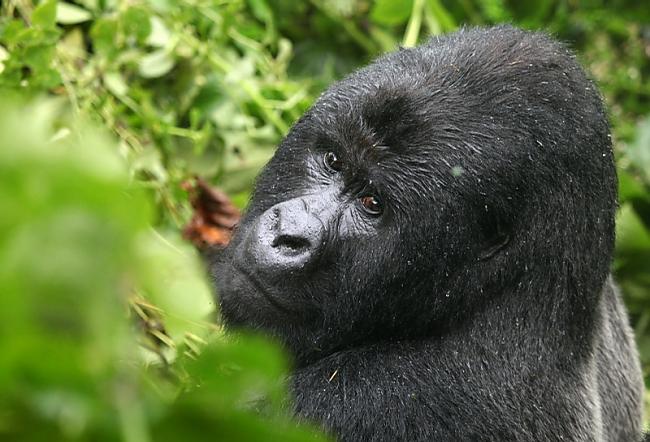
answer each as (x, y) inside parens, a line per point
(415, 22)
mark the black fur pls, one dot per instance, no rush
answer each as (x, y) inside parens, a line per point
(477, 305)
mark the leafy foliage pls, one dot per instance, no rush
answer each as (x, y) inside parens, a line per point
(75, 246)
(187, 88)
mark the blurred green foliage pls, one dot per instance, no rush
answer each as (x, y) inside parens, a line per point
(105, 317)
(77, 247)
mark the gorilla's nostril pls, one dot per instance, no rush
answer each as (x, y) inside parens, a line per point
(294, 243)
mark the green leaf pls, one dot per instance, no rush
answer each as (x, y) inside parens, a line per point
(103, 34)
(93, 5)
(44, 15)
(70, 220)
(261, 10)
(390, 12)
(342, 8)
(4, 55)
(38, 57)
(47, 78)
(639, 152)
(11, 32)
(159, 35)
(115, 83)
(630, 187)
(135, 22)
(156, 64)
(495, 10)
(172, 280)
(631, 234)
(69, 14)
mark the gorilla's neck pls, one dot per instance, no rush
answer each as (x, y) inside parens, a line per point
(541, 311)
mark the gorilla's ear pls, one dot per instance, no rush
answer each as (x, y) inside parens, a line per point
(495, 234)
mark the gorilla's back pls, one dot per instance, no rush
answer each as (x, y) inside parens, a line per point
(618, 377)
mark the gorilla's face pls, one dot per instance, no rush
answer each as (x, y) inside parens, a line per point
(353, 230)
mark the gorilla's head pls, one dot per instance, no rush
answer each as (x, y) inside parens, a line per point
(422, 187)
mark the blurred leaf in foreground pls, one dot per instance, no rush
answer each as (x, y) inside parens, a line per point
(67, 230)
(75, 246)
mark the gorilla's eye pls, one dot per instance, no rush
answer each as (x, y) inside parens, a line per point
(371, 204)
(332, 162)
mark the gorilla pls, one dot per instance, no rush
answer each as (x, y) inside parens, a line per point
(432, 243)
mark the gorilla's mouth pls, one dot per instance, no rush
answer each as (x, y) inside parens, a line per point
(260, 288)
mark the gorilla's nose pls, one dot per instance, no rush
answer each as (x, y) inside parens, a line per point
(292, 243)
(286, 237)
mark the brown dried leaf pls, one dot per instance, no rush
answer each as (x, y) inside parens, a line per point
(214, 215)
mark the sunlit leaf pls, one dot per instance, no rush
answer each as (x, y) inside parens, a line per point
(44, 14)
(115, 83)
(156, 64)
(160, 34)
(69, 14)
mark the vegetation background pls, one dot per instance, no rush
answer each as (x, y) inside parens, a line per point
(109, 108)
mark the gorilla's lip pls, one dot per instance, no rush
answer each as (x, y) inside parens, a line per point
(252, 279)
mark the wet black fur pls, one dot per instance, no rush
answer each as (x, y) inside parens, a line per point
(478, 306)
